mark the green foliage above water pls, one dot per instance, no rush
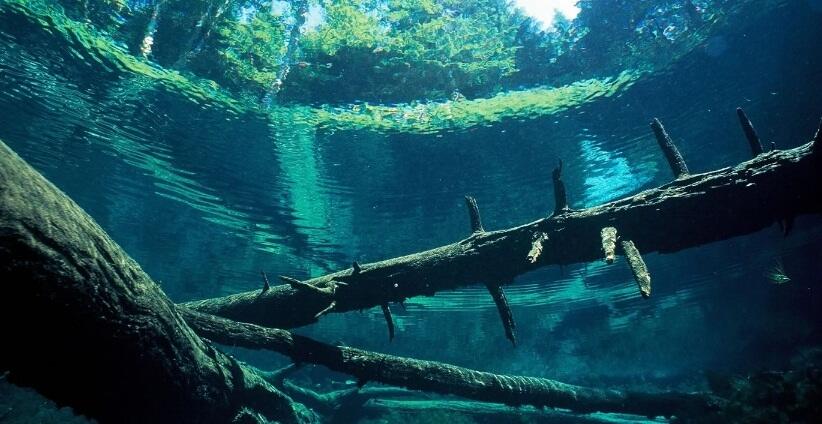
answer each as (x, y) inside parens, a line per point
(243, 56)
(399, 50)
(429, 65)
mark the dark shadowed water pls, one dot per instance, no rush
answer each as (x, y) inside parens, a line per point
(205, 198)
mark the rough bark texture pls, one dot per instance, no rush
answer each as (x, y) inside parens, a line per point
(691, 211)
(638, 268)
(609, 239)
(672, 155)
(346, 405)
(444, 378)
(95, 332)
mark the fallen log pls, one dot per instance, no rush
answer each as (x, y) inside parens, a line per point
(86, 327)
(693, 210)
(444, 378)
(354, 403)
(489, 413)
(105, 340)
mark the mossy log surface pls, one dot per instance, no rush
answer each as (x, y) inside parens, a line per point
(443, 378)
(690, 211)
(86, 327)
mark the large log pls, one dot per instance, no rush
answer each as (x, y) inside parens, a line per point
(349, 404)
(443, 378)
(85, 326)
(690, 211)
(104, 339)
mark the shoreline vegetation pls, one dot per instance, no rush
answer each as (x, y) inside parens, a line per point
(83, 45)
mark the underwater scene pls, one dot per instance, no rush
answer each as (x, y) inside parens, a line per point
(410, 211)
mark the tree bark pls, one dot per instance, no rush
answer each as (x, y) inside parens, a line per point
(443, 378)
(85, 326)
(104, 339)
(690, 211)
(346, 405)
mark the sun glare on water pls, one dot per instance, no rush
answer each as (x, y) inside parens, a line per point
(544, 11)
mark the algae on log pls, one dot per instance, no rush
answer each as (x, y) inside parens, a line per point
(96, 333)
(444, 378)
(690, 211)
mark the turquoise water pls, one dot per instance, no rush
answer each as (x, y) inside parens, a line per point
(206, 187)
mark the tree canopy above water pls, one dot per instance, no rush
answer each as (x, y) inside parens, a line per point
(388, 51)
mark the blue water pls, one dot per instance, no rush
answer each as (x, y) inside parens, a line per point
(205, 199)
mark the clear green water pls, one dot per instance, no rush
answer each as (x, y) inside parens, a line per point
(207, 175)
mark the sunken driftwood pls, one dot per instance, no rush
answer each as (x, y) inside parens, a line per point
(443, 378)
(337, 406)
(690, 211)
(102, 324)
(352, 403)
(96, 333)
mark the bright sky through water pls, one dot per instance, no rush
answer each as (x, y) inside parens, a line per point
(545, 10)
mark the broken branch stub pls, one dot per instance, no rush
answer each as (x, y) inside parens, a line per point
(609, 239)
(266, 284)
(389, 320)
(504, 310)
(474, 215)
(560, 195)
(638, 268)
(672, 155)
(750, 132)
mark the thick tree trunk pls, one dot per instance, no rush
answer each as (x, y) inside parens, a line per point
(104, 339)
(85, 326)
(444, 378)
(690, 211)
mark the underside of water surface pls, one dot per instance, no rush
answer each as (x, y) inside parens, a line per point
(224, 143)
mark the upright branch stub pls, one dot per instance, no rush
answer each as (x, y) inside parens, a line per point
(504, 310)
(328, 292)
(473, 212)
(817, 139)
(609, 239)
(640, 271)
(389, 320)
(668, 147)
(750, 132)
(266, 284)
(560, 196)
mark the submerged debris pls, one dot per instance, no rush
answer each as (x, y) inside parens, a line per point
(776, 275)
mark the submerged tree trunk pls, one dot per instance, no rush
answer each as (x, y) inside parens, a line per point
(99, 335)
(690, 211)
(443, 378)
(104, 339)
(85, 326)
